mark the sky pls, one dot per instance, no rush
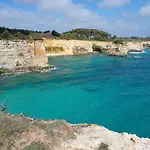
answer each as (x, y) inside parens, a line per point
(118, 17)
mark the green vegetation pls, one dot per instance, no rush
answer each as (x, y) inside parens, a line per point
(75, 34)
(4, 71)
(103, 146)
(35, 146)
(55, 34)
(10, 34)
(10, 129)
(86, 34)
(54, 49)
(118, 41)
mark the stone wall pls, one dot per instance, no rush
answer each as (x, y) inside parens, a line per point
(22, 54)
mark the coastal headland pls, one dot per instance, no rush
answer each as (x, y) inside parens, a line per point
(32, 55)
(74, 47)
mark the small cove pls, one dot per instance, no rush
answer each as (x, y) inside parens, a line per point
(110, 91)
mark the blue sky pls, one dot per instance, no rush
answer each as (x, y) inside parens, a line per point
(119, 17)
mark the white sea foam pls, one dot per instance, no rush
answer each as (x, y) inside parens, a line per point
(137, 52)
(48, 70)
(137, 57)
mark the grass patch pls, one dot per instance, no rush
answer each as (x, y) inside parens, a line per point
(103, 146)
(54, 49)
(10, 129)
(35, 146)
(57, 131)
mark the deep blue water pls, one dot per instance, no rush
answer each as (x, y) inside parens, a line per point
(110, 91)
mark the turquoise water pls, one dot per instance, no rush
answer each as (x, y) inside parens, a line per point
(110, 91)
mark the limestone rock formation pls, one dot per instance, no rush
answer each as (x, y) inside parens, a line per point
(22, 55)
(72, 47)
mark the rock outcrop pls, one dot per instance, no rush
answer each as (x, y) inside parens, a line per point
(31, 55)
(71, 47)
(146, 45)
(20, 132)
(22, 55)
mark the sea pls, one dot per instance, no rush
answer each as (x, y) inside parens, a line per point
(113, 92)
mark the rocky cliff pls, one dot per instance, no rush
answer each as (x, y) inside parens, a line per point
(32, 55)
(22, 55)
(71, 47)
(24, 133)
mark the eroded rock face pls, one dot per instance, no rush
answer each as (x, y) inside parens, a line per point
(146, 45)
(81, 47)
(39, 58)
(22, 55)
(79, 50)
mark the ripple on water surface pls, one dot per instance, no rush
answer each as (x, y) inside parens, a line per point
(110, 91)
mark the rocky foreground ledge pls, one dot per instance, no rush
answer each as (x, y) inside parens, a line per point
(20, 132)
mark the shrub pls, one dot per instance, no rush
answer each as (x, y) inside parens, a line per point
(3, 71)
(20, 54)
(118, 41)
(35, 146)
(103, 146)
(5, 35)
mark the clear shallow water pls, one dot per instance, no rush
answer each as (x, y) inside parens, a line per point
(110, 91)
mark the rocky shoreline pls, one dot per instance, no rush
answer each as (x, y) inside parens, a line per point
(32, 55)
(77, 47)
(47, 68)
(20, 132)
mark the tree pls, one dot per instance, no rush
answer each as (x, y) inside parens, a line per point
(19, 35)
(47, 31)
(86, 34)
(16, 33)
(54, 33)
(5, 35)
(118, 41)
(114, 37)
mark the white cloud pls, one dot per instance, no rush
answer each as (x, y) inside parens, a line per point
(78, 16)
(65, 15)
(57, 5)
(113, 3)
(145, 10)
(25, 1)
(65, 7)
